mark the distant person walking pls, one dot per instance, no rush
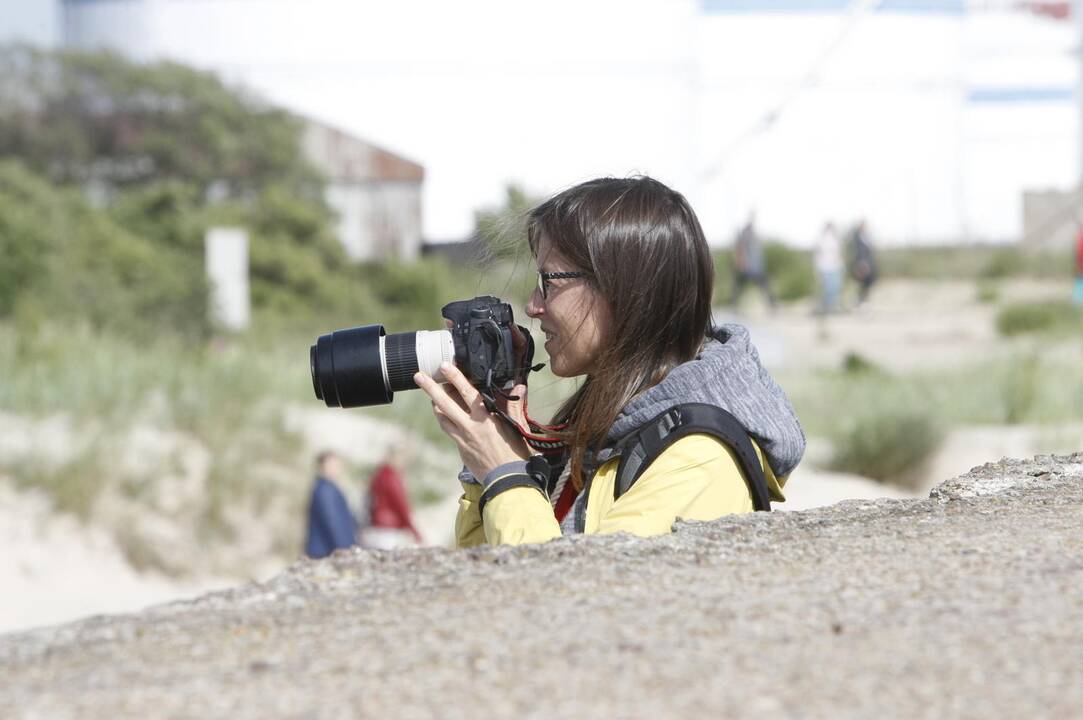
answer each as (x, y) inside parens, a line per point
(749, 263)
(389, 518)
(829, 264)
(331, 525)
(863, 262)
(1077, 287)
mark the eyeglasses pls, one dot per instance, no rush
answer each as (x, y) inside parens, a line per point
(545, 277)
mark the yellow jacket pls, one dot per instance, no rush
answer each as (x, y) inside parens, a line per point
(696, 478)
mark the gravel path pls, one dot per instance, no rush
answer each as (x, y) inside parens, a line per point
(966, 604)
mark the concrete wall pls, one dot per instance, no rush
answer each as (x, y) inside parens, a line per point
(378, 220)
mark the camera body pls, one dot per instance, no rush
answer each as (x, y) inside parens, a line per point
(481, 331)
(364, 365)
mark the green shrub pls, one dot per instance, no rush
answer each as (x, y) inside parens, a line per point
(1023, 388)
(986, 292)
(886, 443)
(32, 218)
(856, 364)
(789, 272)
(61, 258)
(73, 486)
(1002, 263)
(502, 229)
(412, 294)
(1019, 390)
(1033, 317)
(76, 115)
(723, 277)
(961, 262)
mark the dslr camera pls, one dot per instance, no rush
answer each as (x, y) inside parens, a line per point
(365, 366)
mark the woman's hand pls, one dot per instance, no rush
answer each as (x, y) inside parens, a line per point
(484, 441)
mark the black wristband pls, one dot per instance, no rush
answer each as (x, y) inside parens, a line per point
(507, 483)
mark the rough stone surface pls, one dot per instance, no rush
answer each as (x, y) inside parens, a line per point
(966, 604)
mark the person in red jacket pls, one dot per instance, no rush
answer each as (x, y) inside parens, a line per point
(390, 523)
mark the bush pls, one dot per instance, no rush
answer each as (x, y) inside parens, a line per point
(856, 364)
(175, 152)
(1002, 263)
(789, 272)
(502, 230)
(74, 116)
(411, 294)
(723, 277)
(1019, 390)
(886, 443)
(986, 292)
(1039, 317)
(978, 262)
(61, 258)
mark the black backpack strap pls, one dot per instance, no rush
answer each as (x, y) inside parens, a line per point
(643, 446)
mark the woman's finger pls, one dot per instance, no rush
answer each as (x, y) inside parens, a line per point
(454, 395)
(516, 409)
(440, 399)
(449, 428)
(468, 392)
(518, 341)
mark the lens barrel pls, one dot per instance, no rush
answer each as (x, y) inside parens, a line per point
(347, 370)
(400, 358)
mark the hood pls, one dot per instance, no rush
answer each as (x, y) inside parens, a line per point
(729, 375)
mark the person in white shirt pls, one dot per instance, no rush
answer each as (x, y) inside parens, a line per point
(829, 264)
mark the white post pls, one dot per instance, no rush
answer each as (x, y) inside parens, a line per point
(227, 270)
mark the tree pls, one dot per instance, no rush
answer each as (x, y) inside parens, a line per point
(503, 229)
(169, 151)
(62, 258)
(95, 117)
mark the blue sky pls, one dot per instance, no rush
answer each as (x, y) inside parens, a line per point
(35, 21)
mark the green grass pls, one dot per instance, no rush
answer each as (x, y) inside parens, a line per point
(962, 262)
(228, 395)
(986, 291)
(1021, 388)
(867, 411)
(1047, 317)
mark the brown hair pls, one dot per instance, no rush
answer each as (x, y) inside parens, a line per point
(646, 255)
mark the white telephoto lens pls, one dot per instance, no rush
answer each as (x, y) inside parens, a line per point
(433, 348)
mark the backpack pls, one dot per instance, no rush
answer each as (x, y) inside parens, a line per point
(643, 445)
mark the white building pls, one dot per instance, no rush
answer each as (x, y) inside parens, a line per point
(928, 117)
(376, 194)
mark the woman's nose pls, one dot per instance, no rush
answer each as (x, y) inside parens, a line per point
(535, 306)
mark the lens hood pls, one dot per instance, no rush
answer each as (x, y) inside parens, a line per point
(347, 370)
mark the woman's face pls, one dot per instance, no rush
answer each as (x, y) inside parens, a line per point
(573, 316)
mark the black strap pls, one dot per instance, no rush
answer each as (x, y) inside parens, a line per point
(536, 476)
(643, 446)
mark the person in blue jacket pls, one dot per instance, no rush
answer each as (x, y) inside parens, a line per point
(331, 525)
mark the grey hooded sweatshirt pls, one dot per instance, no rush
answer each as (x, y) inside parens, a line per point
(729, 375)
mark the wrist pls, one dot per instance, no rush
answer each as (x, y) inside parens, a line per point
(532, 473)
(513, 467)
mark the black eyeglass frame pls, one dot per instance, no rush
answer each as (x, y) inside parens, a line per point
(545, 277)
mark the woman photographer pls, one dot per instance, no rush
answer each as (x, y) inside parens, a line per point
(624, 299)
